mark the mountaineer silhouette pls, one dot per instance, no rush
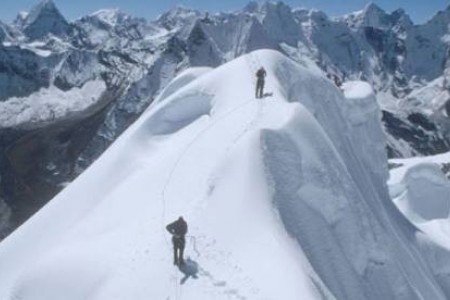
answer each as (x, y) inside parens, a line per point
(260, 81)
(178, 229)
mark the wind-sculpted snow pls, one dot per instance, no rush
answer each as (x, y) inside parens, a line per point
(285, 198)
(406, 64)
(427, 193)
(182, 80)
(421, 191)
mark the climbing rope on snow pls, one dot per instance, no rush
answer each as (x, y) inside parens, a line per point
(193, 242)
(188, 147)
(253, 63)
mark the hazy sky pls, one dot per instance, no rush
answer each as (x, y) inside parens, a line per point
(419, 10)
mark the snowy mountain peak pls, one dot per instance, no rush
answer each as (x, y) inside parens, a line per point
(372, 8)
(279, 22)
(275, 6)
(43, 19)
(20, 19)
(46, 7)
(318, 16)
(111, 16)
(399, 17)
(22, 15)
(251, 7)
(178, 17)
(374, 16)
(180, 11)
(268, 7)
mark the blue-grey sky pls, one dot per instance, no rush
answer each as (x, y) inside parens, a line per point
(419, 10)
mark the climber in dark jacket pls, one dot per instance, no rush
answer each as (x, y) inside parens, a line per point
(178, 229)
(260, 75)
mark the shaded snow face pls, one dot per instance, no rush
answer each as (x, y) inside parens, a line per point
(428, 192)
(421, 191)
(283, 180)
(420, 188)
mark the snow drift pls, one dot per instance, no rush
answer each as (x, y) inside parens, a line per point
(285, 197)
(421, 191)
(427, 193)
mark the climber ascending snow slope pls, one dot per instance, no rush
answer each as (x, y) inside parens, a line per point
(286, 199)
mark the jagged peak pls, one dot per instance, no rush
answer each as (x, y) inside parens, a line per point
(316, 14)
(301, 14)
(266, 7)
(179, 16)
(372, 7)
(399, 11)
(22, 15)
(110, 16)
(269, 4)
(374, 16)
(43, 19)
(106, 11)
(400, 16)
(20, 19)
(276, 6)
(45, 6)
(180, 10)
(252, 7)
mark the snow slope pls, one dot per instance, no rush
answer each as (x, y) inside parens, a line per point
(421, 191)
(285, 197)
(405, 63)
(427, 194)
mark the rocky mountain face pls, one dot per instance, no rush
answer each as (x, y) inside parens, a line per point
(51, 142)
(42, 20)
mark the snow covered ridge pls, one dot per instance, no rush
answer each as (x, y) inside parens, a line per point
(285, 198)
(49, 105)
(406, 66)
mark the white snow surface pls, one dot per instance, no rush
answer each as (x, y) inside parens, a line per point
(405, 164)
(427, 193)
(109, 16)
(285, 198)
(421, 191)
(49, 104)
(183, 79)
